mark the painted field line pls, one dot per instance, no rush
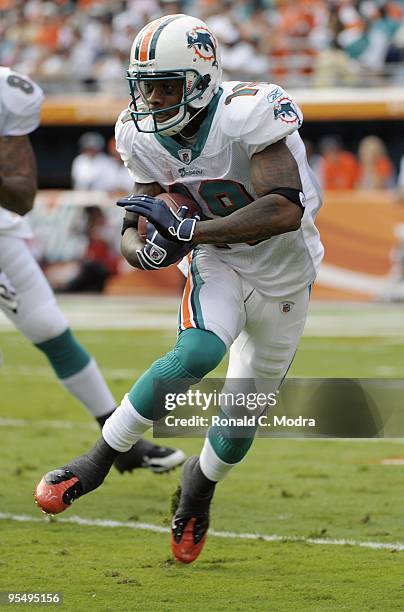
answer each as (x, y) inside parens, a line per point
(229, 535)
(46, 372)
(21, 423)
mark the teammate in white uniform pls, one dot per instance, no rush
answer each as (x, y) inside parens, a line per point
(25, 296)
(235, 149)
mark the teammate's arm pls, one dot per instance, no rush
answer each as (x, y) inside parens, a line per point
(131, 242)
(270, 214)
(18, 182)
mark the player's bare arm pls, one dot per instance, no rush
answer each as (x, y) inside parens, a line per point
(18, 182)
(269, 215)
(131, 242)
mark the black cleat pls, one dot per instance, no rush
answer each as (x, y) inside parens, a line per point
(144, 454)
(190, 522)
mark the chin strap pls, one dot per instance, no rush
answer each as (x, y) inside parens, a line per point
(171, 131)
(197, 113)
(175, 129)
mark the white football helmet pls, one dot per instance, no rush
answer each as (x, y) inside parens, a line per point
(173, 47)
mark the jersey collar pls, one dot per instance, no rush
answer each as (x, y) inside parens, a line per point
(172, 146)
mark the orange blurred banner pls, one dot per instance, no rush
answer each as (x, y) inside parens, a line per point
(362, 232)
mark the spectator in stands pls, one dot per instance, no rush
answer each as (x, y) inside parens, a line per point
(313, 158)
(118, 176)
(376, 170)
(90, 168)
(293, 48)
(333, 67)
(100, 260)
(338, 169)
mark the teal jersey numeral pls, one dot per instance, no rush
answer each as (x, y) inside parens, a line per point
(224, 197)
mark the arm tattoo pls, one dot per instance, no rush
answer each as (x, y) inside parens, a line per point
(274, 167)
(268, 216)
(18, 172)
(271, 214)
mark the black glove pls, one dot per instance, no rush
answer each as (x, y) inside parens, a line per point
(160, 253)
(172, 225)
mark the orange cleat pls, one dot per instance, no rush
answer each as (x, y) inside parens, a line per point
(188, 536)
(191, 504)
(57, 491)
(60, 488)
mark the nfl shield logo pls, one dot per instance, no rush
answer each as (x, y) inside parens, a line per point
(185, 155)
(156, 255)
(286, 306)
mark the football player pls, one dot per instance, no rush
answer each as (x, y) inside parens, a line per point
(234, 148)
(25, 296)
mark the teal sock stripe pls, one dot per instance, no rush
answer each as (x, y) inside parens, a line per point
(196, 353)
(66, 356)
(227, 448)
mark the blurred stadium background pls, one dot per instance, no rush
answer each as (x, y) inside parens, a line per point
(343, 60)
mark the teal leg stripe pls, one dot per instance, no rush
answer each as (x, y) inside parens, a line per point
(196, 353)
(227, 448)
(66, 356)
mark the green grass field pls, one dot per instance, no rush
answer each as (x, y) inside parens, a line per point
(311, 490)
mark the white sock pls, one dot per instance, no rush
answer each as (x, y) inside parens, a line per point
(214, 468)
(91, 390)
(124, 427)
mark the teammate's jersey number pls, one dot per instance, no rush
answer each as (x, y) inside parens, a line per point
(222, 197)
(20, 83)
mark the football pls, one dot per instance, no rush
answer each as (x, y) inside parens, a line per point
(174, 201)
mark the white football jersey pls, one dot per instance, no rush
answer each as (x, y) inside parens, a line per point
(20, 105)
(243, 119)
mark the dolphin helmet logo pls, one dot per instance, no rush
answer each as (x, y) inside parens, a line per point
(201, 40)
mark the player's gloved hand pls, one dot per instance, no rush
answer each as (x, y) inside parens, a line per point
(172, 226)
(160, 253)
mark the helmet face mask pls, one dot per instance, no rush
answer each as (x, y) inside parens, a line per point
(173, 48)
(140, 108)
